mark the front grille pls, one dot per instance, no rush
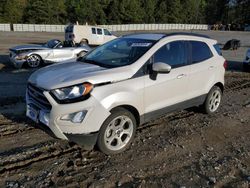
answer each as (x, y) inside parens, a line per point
(37, 97)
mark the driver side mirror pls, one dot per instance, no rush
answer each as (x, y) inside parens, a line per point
(160, 67)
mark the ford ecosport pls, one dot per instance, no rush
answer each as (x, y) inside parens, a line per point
(102, 98)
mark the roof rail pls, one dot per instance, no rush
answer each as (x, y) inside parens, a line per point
(186, 33)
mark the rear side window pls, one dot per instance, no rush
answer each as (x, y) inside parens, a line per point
(200, 51)
(218, 50)
(93, 30)
(173, 54)
(99, 31)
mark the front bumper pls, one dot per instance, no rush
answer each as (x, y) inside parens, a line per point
(84, 133)
(16, 63)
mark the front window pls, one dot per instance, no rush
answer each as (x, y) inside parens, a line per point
(119, 52)
(173, 54)
(106, 32)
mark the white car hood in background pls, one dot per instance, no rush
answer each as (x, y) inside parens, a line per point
(67, 74)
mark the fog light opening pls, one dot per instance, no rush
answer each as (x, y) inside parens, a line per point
(76, 117)
(44, 117)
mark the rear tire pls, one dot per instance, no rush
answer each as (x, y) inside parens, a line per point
(213, 100)
(84, 41)
(117, 132)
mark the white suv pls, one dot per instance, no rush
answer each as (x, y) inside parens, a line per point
(102, 98)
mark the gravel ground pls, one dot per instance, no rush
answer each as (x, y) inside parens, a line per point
(182, 149)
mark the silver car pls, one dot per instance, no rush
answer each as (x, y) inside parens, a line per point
(52, 52)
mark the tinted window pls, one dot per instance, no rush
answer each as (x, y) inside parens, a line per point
(173, 53)
(93, 30)
(217, 48)
(200, 51)
(99, 31)
(106, 32)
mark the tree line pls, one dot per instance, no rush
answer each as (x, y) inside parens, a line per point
(124, 11)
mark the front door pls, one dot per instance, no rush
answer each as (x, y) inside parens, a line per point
(167, 90)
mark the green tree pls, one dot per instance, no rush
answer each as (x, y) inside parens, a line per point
(131, 11)
(14, 10)
(45, 12)
(113, 12)
(216, 11)
(149, 8)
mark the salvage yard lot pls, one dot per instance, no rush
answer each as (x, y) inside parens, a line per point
(186, 148)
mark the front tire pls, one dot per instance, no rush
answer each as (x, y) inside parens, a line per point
(117, 132)
(213, 100)
(34, 61)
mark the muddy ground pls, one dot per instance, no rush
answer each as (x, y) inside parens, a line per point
(182, 149)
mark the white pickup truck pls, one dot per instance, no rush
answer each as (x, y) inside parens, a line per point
(85, 34)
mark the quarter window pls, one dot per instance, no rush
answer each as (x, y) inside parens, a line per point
(93, 30)
(200, 51)
(99, 31)
(173, 54)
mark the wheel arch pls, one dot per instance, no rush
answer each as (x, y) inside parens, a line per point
(84, 39)
(220, 85)
(131, 109)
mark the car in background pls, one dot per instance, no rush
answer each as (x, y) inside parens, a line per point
(247, 27)
(85, 34)
(103, 97)
(52, 52)
(246, 63)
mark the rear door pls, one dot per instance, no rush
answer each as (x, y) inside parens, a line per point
(165, 91)
(202, 67)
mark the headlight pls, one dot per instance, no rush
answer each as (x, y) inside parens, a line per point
(73, 92)
(20, 57)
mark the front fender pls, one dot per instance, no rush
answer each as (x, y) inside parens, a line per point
(123, 98)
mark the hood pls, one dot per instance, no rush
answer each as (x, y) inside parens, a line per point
(28, 47)
(72, 73)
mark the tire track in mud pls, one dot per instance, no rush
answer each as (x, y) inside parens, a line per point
(237, 85)
(15, 126)
(22, 157)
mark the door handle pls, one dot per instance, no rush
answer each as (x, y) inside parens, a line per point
(180, 76)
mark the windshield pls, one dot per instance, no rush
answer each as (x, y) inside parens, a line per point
(52, 43)
(119, 52)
